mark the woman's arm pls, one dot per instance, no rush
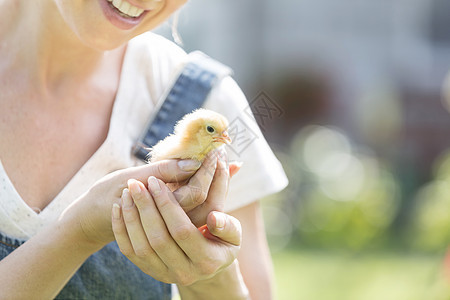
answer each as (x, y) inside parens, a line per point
(254, 257)
(42, 266)
(226, 285)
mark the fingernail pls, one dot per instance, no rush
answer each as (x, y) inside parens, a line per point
(116, 211)
(126, 199)
(154, 185)
(220, 221)
(189, 165)
(134, 186)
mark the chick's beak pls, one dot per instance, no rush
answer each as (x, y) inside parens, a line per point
(226, 138)
(223, 138)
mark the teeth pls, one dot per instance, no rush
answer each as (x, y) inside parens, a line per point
(133, 11)
(126, 8)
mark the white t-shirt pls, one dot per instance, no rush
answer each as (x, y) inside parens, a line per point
(148, 69)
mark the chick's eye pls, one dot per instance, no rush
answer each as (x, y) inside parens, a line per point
(210, 129)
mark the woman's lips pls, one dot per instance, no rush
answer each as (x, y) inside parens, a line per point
(117, 18)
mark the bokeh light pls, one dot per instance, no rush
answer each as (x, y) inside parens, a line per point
(339, 194)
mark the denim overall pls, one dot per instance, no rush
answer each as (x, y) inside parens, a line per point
(107, 274)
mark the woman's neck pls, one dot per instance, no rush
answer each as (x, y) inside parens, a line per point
(40, 51)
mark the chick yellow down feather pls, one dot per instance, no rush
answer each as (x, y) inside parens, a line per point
(195, 135)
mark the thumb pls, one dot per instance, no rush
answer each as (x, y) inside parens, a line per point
(223, 227)
(166, 170)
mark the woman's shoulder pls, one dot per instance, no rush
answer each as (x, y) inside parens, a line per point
(157, 49)
(151, 38)
(153, 59)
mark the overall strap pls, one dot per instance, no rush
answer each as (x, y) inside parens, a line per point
(189, 91)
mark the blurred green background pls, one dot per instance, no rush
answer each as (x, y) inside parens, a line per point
(351, 95)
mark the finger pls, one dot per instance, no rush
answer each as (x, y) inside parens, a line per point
(126, 247)
(157, 234)
(166, 170)
(223, 155)
(120, 232)
(195, 192)
(207, 234)
(234, 167)
(205, 256)
(219, 187)
(225, 227)
(216, 196)
(178, 223)
(132, 220)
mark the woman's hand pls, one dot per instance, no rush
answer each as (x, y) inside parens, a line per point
(206, 191)
(157, 235)
(91, 213)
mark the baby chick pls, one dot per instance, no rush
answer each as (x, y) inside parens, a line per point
(195, 135)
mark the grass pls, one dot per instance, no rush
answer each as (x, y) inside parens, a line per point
(319, 275)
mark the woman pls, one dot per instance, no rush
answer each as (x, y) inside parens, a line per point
(78, 81)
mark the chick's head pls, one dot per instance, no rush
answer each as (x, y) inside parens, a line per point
(205, 128)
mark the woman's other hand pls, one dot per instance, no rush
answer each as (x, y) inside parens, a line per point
(157, 235)
(91, 213)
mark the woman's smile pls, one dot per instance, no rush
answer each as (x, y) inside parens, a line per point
(126, 9)
(122, 14)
